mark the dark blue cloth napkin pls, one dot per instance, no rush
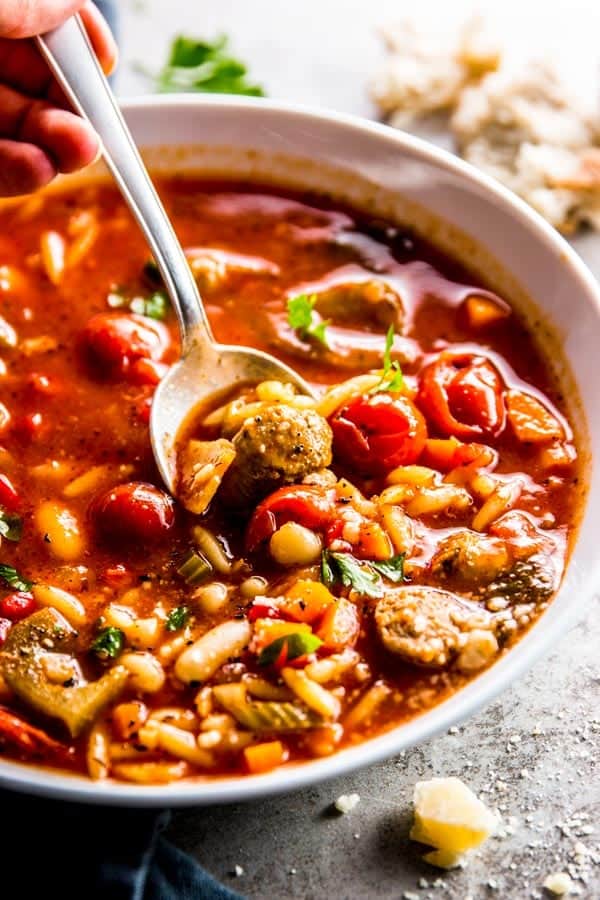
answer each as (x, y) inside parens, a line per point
(76, 852)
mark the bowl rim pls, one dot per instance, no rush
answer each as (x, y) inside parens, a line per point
(479, 692)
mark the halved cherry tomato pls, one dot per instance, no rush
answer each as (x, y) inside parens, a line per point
(376, 433)
(134, 512)
(17, 606)
(308, 505)
(9, 498)
(115, 341)
(463, 395)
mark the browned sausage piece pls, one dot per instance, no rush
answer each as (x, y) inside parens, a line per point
(427, 626)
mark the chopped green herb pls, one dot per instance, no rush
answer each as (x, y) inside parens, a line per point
(155, 307)
(304, 320)
(177, 618)
(297, 644)
(345, 569)
(200, 66)
(392, 379)
(11, 526)
(393, 568)
(195, 568)
(13, 579)
(108, 643)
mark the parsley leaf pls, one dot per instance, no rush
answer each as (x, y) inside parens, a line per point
(201, 66)
(345, 569)
(11, 526)
(13, 579)
(361, 575)
(108, 643)
(297, 644)
(177, 618)
(393, 568)
(304, 320)
(392, 379)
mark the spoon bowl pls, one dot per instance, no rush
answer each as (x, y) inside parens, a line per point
(205, 373)
(207, 369)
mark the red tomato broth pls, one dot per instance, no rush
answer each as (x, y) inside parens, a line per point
(94, 418)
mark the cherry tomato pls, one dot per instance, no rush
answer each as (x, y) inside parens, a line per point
(376, 433)
(9, 498)
(134, 512)
(308, 505)
(463, 395)
(115, 341)
(17, 606)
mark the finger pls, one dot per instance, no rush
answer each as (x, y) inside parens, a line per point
(101, 37)
(24, 18)
(69, 141)
(24, 68)
(23, 168)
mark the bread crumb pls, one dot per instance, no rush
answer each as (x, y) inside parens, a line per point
(346, 802)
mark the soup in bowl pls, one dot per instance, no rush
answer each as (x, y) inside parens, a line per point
(338, 575)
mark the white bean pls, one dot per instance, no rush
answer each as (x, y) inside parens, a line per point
(208, 653)
(295, 545)
(146, 673)
(68, 604)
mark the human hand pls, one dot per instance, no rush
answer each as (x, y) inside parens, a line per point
(39, 135)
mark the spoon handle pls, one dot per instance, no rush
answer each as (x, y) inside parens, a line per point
(70, 56)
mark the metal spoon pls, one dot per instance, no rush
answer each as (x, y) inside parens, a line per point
(206, 368)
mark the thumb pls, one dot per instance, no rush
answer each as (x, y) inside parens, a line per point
(25, 18)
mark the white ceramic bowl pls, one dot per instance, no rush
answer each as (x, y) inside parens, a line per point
(395, 175)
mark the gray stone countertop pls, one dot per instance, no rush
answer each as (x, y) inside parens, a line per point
(532, 754)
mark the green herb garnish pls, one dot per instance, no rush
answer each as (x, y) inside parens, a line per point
(201, 66)
(195, 568)
(177, 618)
(345, 569)
(108, 643)
(298, 644)
(304, 320)
(392, 569)
(392, 379)
(155, 307)
(11, 526)
(13, 579)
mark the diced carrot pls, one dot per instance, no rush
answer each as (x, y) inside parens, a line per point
(323, 741)
(440, 453)
(530, 420)
(264, 757)
(268, 630)
(373, 542)
(306, 601)
(340, 626)
(482, 312)
(557, 456)
(128, 718)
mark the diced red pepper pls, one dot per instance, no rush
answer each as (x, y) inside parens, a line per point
(17, 606)
(9, 497)
(25, 737)
(261, 610)
(374, 434)
(117, 576)
(463, 396)
(308, 505)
